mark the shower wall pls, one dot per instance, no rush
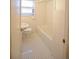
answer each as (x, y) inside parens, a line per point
(40, 13)
(48, 20)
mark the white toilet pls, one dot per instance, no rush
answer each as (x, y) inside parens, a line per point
(26, 28)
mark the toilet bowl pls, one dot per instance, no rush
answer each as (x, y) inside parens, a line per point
(26, 28)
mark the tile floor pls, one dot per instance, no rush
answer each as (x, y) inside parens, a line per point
(34, 48)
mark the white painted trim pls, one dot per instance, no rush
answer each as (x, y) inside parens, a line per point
(41, 31)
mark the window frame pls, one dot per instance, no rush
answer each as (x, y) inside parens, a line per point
(29, 14)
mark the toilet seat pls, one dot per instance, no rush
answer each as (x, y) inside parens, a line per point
(26, 27)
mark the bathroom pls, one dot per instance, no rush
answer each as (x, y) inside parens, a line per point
(39, 29)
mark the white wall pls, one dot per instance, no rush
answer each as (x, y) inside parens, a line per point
(48, 27)
(40, 13)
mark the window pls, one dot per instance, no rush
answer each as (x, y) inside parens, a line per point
(27, 7)
(18, 7)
